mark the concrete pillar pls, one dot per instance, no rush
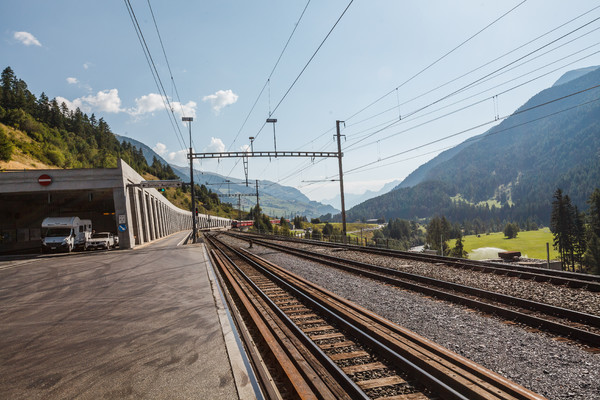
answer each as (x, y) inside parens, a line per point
(149, 216)
(163, 220)
(145, 234)
(154, 202)
(136, 221)
(123, 207)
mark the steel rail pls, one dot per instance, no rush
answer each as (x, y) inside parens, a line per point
(265, 380)
(423, 345)
(396, 277)
(295, 382)
(572, 279)
(448, 384)
(338, 377)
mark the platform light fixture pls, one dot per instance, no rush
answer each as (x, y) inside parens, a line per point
(194, 214)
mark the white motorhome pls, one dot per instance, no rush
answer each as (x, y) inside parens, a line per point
(65, 233)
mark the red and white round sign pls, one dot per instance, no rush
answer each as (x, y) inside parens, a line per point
(45, 180)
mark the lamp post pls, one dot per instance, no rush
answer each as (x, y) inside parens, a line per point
(251, 143)
(189, 121)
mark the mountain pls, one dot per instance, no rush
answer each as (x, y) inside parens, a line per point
(419, 175)
(511, 171)
(352, 199)
(275, 199)
(569, 76)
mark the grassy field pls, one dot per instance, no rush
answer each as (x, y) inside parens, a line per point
(531, 244)
(353, 228)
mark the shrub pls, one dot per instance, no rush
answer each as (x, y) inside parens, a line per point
(511, 230)
(55, 157)
(6, 146)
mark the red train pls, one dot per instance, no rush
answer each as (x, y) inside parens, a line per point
(240, 224)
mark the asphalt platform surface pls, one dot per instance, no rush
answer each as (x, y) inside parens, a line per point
(115, 324)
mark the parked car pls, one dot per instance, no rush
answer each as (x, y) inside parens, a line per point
(101, 240)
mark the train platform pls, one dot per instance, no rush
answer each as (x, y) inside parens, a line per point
(149, 322)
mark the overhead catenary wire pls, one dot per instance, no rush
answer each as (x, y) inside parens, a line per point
(364, 167)
(172, 82)
(352, 147)
(473, 83)
(267, 82)
(314, 54)
(391, 122)
(463, 75)
(306, 65)
(471, 139)
(436, 61)
(480, 81)
(488, 123)
(429, 66)
(405, 119)
(483, 65)
(154, 71)
(301, 72)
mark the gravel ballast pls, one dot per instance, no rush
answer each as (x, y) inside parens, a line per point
(535, 360)
(576, 299)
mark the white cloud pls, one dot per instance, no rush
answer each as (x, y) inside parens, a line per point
(221, 99)
(189, 109)
(148, 104)
(69, 103)
(105, 100)
(216, 146)
(86, 65)
(160, 149)
(178, 157)
(173, 157)
(109, 101)
(27, 39)
(155, 102)
(72, 81)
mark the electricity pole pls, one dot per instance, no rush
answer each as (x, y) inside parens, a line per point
(257, 205)
(189, 121)
(339, 144)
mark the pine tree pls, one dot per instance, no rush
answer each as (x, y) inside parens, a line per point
(594, 212)
(438, 233)
(8, 79)
(559, 225)
(578, 238)
(591, 258)
(458, 250)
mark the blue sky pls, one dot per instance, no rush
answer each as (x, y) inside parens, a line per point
(221, 53)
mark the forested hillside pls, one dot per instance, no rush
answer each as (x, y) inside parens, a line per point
(59, 137)
(46, 134)
(511, 171)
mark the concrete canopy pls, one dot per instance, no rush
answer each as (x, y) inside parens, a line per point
(107, 196)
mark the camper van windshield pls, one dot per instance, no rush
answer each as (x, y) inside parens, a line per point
(57, 232)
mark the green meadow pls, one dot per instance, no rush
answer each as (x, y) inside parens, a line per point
(531, 244)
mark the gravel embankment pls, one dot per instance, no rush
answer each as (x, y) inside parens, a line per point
(575, 299)
(553, 369)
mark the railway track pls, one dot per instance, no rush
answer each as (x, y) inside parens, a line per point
(563, 278)
(577, 326)
(310, 343)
